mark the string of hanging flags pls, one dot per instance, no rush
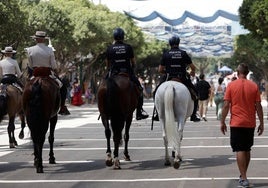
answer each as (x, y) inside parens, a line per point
(186, 14)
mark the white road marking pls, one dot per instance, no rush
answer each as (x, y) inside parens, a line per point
(128, 180)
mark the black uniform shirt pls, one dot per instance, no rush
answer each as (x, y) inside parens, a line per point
(119, 55)
(176, 61)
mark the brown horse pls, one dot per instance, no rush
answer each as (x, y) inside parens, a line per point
(11, 105)
(41, 102)
(117, 100)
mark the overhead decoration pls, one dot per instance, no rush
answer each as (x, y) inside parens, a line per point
(186, 14)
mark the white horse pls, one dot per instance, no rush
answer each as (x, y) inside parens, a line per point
(174, 105)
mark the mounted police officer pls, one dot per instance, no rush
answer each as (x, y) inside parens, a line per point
(174, 64)
(42, 56)
(10, 69)
(120, 58)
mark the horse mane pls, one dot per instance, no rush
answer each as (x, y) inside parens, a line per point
(3, 106)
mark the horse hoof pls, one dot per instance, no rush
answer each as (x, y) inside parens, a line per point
(39, 170)
(16, 143)
(117, 167)
(52, 161)
(21, 135)
(127, 158)
(12, 145)
(116, 164)
(109, 163)
(177, 165)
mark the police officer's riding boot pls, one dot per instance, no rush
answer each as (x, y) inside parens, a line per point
(139, 111)
(194, 117)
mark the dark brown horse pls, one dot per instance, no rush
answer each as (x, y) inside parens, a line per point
(117, 100)
(11, 105)
(41, 102)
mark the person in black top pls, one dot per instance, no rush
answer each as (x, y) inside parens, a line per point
(120, 58)
(204, 90)
(174, 64)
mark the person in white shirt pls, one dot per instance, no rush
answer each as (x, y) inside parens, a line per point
(9, 68)
(42, 56)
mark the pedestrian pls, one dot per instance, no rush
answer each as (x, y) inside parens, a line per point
(120, 58)
(212, 93)
(218, 98)
(174, 64)
(194, 117)
(89, 95)
(242, 97)
(42, 56)
(204, 89)
(76, 93)
(9, 69)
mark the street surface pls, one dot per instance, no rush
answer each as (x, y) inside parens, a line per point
(80, 147)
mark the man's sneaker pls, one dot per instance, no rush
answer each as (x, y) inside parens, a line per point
(195, 119)
(243, 183)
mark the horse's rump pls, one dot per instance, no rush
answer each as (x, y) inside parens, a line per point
(174, 104)
(116, 95)
(182, 97)
(41, 97)
(10, 101)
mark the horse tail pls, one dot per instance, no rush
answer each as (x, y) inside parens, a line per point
(112, 97)
(35, 104)
(3, 106)
(170, 124)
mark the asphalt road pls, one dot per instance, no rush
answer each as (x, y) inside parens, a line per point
(80, 147)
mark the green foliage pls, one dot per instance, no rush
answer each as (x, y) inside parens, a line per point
(252, 48)
(12, 24)
(254, 16)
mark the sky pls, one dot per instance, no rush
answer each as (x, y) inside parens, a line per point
(172, 8)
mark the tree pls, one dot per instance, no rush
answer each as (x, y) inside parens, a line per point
(13, 28)
(252, 48)
(254, 17)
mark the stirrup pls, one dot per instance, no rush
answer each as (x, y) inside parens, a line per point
(156, 117)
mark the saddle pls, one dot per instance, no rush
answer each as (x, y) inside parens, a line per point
(46, 72)
(3, 88)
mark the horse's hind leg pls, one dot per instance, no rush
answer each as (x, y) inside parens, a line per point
(105, 122)
(53, 122)
(126, 138)
(178, 158)
(117, 126)
(22, 119)
(167, 160)
(11, 129)
(38, 161)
